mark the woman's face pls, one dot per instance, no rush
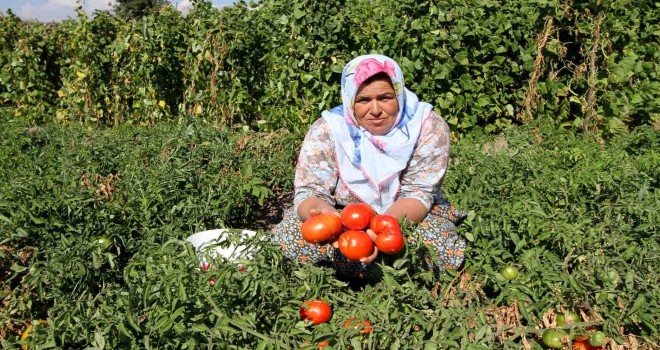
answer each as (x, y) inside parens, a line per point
(376, 106)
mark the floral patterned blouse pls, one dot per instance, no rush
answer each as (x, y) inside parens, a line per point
(316, 171)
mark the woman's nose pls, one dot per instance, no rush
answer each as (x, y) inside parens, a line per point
(375, 108)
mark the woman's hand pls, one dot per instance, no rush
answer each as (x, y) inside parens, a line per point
(313, 206)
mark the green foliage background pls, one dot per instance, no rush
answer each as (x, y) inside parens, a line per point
(487, 64)
(579, 220)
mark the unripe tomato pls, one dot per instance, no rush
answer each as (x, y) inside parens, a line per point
(597, 339)
(380, 223)
(390, 242)
(357, 216)
(568, 317)
(321, 228)
(553, 339)
(103, 242)
(363, 327)
(317, 311)
(509, 272)
(355, 245)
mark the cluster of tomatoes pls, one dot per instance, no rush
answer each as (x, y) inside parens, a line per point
(349, 229)
(558, 338)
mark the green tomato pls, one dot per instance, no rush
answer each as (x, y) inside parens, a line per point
(509, 272)
(568, 317)
(611, 277)
(553, 339)
(104, 242)
(597, 339)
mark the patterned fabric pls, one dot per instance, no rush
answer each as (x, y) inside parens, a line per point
(370, 165)
(437, 232)
(316, 170)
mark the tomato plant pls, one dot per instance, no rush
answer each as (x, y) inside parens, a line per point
(357, 216)
(390, 242)
(380, 223)
(554, 339)
(321, 228)
(355, 245)
(317, 311)
(509, 272)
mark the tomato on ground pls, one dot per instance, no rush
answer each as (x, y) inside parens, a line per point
(317, 311)
(568, 317)
(363, 327)
(357, 216)
(321, 228)
(380, 223)
(597, 339)
(509, 272)
(390, 242)
(554, 339)
(355, 245)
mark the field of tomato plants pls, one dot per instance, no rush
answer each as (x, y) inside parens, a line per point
(93, 224)
(120, 138)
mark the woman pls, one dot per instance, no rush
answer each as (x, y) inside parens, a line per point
(382, 147)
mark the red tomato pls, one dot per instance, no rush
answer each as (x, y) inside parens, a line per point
(582, 343)
(363, 327)
(380, 223)
(321, 228)
(390, 242)
(317, 311)
(355, 245)
(357, 216)
(323, 344)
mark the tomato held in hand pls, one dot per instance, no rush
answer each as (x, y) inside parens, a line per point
(355, 245)
(317, 311)
(390, 242)
(380, 223)
(357, 216)
(321, 228)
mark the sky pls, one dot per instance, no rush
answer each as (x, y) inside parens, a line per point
(57, 10)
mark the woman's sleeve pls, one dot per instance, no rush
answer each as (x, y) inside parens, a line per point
(423, 177)
(316, 174)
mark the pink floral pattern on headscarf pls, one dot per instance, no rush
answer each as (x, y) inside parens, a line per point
(370, 67)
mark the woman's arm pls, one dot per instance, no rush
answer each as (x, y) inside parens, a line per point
(423, 177)
(411, 208)
(316, 173)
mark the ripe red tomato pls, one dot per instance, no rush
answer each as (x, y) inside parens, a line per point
(355, 245)
(321, 228)
(357, 216)
(363, 327)
(390, 242)
(380, 223)
(317, 311)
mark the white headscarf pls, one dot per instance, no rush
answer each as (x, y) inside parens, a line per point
(370, 165)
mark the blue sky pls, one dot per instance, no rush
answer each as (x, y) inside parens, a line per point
(56, 10)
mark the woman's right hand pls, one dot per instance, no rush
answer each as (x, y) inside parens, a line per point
(313, 206)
